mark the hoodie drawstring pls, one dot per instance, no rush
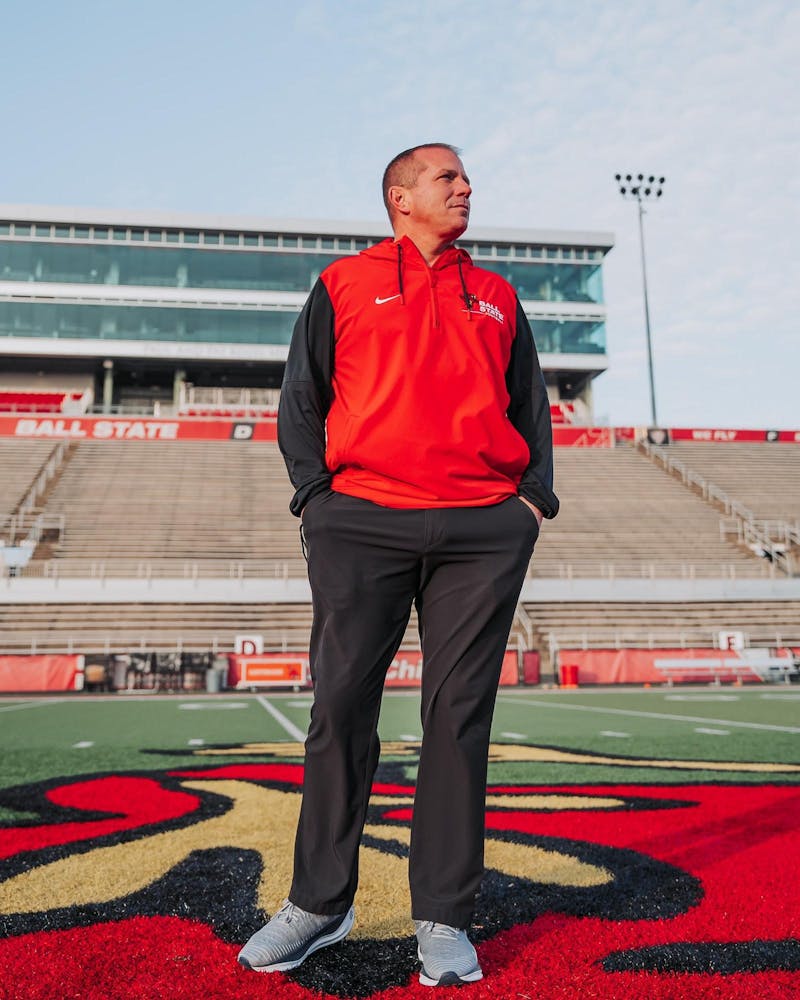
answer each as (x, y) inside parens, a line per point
(467, 302)
(400, 272)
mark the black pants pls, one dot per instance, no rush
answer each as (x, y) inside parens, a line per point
(464, 568)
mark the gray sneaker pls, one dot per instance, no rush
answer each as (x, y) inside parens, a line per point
(292, 934)
(446, 954)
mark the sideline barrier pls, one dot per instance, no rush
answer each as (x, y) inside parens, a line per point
(30, 674)
(668, 666)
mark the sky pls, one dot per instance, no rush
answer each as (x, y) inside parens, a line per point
(292, 110)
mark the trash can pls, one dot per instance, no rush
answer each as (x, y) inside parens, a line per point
(569, 675)
(212, 681)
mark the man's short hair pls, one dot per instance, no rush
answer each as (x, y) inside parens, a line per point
(405, 168)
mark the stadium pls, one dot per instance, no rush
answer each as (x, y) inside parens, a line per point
(155, 611)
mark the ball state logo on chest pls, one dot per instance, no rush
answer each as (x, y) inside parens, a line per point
(481, 307)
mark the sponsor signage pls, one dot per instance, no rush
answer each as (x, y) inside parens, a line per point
(583, 437)
(726, 434)
(406, 669)
(136, 429)
(267, 670)
(101, 428)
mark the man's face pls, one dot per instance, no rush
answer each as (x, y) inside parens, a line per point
(439, 201)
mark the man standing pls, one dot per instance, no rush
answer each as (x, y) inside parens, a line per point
(415, 426)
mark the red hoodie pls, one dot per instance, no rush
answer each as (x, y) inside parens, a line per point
(415, 386)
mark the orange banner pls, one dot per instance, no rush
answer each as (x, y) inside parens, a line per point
(657, 666)
(25, 674)
(267, 670)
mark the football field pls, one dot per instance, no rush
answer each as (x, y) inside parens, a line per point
(640, 843)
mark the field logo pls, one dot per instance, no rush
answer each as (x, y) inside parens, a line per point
(145, 884)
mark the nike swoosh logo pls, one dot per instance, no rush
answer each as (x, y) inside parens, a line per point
(379, 302)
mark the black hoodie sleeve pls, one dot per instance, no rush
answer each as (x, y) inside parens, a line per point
(306, 398)
(529, 412)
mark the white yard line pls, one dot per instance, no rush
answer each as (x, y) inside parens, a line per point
(615, 735)
(287, 724)
(30, 704)
(711, 732)
(515, 736)
(649, 715)
(83, 744)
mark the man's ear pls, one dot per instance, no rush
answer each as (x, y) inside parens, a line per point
(399, 199)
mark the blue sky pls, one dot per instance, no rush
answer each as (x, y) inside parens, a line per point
(292, 110)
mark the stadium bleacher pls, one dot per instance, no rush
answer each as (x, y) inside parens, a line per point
(20, 462)
(622, 516)
(211, 510)
(765, 478)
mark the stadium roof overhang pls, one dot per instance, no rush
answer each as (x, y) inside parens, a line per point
(320, 227)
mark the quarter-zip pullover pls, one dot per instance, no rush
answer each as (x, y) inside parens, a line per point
(415, 386)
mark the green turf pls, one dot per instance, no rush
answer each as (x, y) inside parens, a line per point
(61, 737)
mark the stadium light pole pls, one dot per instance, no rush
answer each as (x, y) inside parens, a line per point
(641, 188)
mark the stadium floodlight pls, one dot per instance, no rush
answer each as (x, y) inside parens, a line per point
(641, 188)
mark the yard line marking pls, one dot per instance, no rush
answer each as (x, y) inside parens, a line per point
(30, 704)
(611, 732)
(650, 715)
(515, 736)
(300, 704)
(287, 724)
(407, 738)
(197, 706)
(83, 744)
(701, 697)
(780, 696)
(711, 732)
(196, 743)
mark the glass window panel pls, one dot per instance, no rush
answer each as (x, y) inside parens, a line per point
(289, 241)
(20, 229)
(327, 243)
(154, 235)
(173, 236)
(346, 245)
(270, 240)
(119, 234)
(552, 253)
(137, 234)
(40, 230)
(503, 251)
(569, 336)
(232, 239)
(5, 228)
(551, 282)
(250, 240)
(191, 237)
(62, 231)
(217, 267)
(361, 244)
(81, 232)
(210, 238)
(309, 242)
(100, 232)
(109, 322)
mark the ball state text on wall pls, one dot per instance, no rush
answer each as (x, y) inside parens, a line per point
(123, 430)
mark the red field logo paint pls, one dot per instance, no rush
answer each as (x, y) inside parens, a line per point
(144, 885)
